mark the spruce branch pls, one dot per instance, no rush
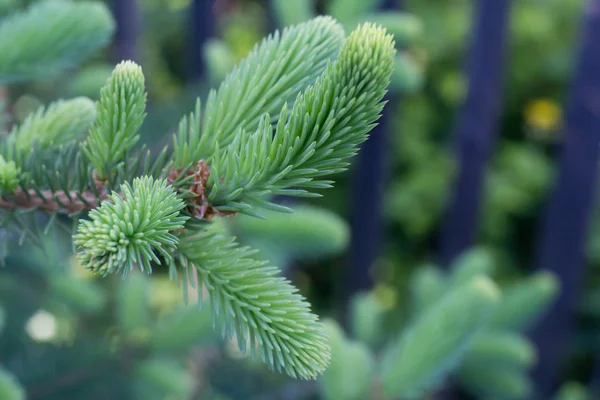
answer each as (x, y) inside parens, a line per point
(263, 311)
(427, 351)
(274, 72)
(230, 160)
(121, 112)
(502, 349)
(131, 228)
(526, 301)
(50, 36)
(325, 127)
(50, 201)
(63, 121)
(53, 179)
(349, 377)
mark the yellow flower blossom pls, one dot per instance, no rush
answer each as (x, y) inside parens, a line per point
(543, 114)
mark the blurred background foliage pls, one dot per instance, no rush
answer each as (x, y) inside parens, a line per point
(64, 311)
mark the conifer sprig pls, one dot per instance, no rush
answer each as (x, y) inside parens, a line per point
(50, 36)
(228, 161)
(276, 70)
(62, 122)
(260, 309)
(121, 112)
(324, 128)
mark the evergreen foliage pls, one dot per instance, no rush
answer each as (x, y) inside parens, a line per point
(349, 377)
(450, 332)
(121, 111)
(497, 360)
(131, 228)
(325, 126)
(261, 310)
(9, 176)
(276, 71)
(50, 36)
(438, 341)
(137, 210)
(62, 122)
(524, 302)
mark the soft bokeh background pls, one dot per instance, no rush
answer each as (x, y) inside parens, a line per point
(183, 55)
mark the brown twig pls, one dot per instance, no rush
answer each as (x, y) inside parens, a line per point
(199, 206)
(47, 200)
(72, 202)
(52, 202)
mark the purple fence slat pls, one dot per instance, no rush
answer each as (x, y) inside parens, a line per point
(127, 19)
(202, 27)
(368, 181)
(476, 124)
(569, 209)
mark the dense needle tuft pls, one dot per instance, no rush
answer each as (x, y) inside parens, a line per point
(134, 228)
(121, 112)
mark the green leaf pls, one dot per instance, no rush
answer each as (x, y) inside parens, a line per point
(263, 311)
(434, 345)
(276, 70)
(525, 302)
(325, 127)
(50, 36)
(121, 112)
(350, 375)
